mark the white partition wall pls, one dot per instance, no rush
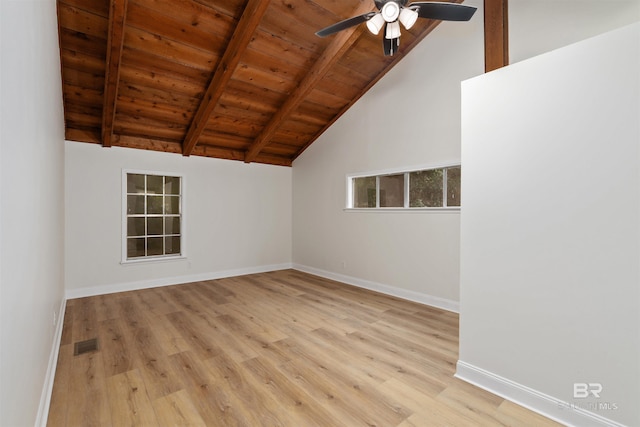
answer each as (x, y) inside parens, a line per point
(550, 231)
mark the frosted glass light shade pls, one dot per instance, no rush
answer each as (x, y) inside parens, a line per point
(375, 24)
(393, 30)
(390, 11)
(408, 17)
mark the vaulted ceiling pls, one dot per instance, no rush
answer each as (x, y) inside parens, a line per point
(246, 80)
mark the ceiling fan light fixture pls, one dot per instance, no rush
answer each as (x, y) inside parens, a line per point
(408, 17)
(393, 30)
(375, 24)
(390, 11)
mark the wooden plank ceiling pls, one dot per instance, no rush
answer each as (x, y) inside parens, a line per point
(232, 79)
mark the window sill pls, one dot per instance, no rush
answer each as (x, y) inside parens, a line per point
(405, 210)
(153, 260)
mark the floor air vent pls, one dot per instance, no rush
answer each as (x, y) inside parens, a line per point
(87, 346)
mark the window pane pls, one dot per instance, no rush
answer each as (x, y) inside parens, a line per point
(135, 205)
(135, 226)
(425, 188)
(453, 186)
(154, 184)
(135, 248)
(172, 225)
(153, 220)
(172, 205)
(154, 204)
(172, 185)
(154, 226)
(172, 245)
(154, 246)
(364, 192)
(135, 183)
(392, 191)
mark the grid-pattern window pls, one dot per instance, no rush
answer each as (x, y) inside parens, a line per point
(153, 216)
(424, 188)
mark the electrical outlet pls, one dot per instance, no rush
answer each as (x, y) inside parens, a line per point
(344, 265)
(55, 318)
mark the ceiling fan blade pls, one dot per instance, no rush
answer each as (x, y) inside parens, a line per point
(443, 11)
(343, 25)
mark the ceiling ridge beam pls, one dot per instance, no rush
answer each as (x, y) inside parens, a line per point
(338, 46)
(242, 35)
(115, 42)
(496, 34)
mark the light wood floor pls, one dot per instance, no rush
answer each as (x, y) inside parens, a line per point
(274, 349)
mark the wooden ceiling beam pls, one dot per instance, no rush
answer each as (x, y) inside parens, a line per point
(496, 34)
(242, 35)
(115, 41)
(338, 46)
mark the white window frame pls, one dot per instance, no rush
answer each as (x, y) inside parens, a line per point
(399, 171)
(157, 258)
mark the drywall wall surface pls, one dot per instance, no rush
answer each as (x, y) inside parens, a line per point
(237, 218)
(410, 118)
(550, 231)
(539, 26)
(31, 206)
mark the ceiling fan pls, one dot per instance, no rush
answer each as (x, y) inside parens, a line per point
(392, 11)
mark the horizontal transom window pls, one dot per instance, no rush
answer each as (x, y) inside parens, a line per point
(424, 188)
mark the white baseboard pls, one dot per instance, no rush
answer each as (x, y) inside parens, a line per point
(550, 407)
(168, 281)
(421, 298)
(47, 388)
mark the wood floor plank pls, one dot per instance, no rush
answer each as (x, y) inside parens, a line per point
(325, 392)
(177, 409)
(371, 355)
(156, 301)
(283, 348)
(301, 407)
(115, 348)
(195, 334)
(426, 411)
(211, 294)
(87, 384)
(106, 307)
(355, 383)
(130, 405)
(58, 405)
(210, 399)
(130, 311)
(158, 374)
(85, 322)
(67, 330)
(512, 414)
(258, 409)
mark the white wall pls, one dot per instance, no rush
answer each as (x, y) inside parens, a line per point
(550, 262)
(539, 26)
(32, 204)
(237, 218)
(410, 118)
